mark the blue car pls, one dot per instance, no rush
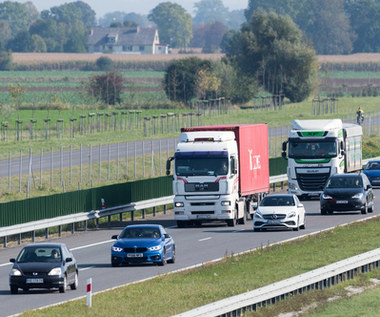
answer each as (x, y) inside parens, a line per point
(372, 170)
(138, 244)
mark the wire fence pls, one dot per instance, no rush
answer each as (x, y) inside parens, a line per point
(64, 168)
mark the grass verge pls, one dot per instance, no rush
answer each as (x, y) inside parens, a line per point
(166, 295)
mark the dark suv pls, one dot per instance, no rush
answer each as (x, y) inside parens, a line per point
(347, 192)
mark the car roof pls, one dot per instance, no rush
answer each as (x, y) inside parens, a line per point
(346, 175)
(45, 245)
(144, 226)
(280, 195)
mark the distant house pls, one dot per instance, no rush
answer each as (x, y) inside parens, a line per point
(125, 40)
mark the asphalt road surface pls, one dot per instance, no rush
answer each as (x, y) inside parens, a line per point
(194, 246)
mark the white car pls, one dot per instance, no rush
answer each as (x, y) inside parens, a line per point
(279, 211)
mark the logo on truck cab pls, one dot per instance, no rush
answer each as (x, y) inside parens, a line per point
(254, 161)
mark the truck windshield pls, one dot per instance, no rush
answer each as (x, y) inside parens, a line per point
(312, 149)
(201, 164)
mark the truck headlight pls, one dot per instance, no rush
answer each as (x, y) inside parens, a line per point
(292, 186)
(226, 203)
(179, 204)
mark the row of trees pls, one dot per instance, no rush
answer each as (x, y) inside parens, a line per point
(65, 28)
(333, 26)
(269, 52)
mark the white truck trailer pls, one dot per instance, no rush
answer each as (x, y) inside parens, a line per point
(318, 149)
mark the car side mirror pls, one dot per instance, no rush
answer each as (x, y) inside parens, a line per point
(300, 205)
(69, 260)
(12, 260)
(115, 237)
(369, 186)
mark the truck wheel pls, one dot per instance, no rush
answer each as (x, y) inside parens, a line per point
(181, 224)
(230, 222)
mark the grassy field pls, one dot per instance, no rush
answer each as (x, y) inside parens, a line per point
(232, 276)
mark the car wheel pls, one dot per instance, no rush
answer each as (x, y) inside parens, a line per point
(163, 259)
(75, 284)
(172, 260)
(256, 229)
(14, 289)
(62, 289)
(365, 209)
(303, 226)
(372, 207)
(297, 227)
(114, 264)
(323, 212)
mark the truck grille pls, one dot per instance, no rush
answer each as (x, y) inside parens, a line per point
(205, 212)
(203, 204)
(312, 182)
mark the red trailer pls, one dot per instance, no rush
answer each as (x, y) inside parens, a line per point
(202, 191)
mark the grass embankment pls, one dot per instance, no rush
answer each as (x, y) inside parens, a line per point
(171, 294)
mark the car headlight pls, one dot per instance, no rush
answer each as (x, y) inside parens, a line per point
(117, 249)
(326, 197)
(155, 248)
(15, 272)
(292, 214)
(179, 204)
(358, 196)
(258, 214)
(226, 203)
(55, 271)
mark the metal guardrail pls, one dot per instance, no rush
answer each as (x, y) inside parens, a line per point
(95, 214)
(82, 216)
(320, 278)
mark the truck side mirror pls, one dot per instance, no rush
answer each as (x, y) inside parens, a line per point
(168, 165)
(283, 154)
(234, 165)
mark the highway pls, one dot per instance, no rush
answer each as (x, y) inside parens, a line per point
(194, 246)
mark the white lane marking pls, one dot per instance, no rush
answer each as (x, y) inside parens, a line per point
(204, 239)
(5, 264)
(87, 268)
(91, 245)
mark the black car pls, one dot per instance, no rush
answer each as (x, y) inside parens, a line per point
(44, 265)
(347, 192)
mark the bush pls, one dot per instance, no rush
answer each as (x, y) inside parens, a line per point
(5, 60)
(104, 63)
(106, 88)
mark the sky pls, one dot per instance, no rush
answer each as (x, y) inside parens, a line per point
(102, 7)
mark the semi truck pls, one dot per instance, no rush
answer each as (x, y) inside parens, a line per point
(317, 149)
(219, 173)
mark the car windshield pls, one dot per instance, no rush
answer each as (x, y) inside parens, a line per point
(344, 182)
(138, 233)
(373, 166)
(277, 201)
(39, 254)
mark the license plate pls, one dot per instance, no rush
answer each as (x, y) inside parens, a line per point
(342, 201)
(34, 280)
(273, 222)
(203, 216)
(134, 255)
